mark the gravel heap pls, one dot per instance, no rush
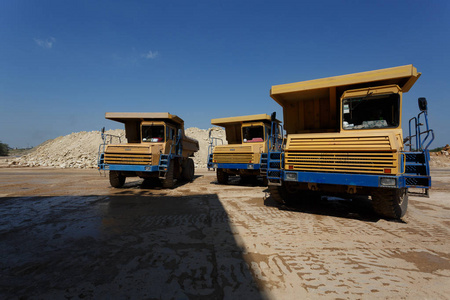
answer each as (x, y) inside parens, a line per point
(80, 149)
(202, 136)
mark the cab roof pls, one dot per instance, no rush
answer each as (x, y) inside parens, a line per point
(130, 116)
(242, 119)
(403, 76)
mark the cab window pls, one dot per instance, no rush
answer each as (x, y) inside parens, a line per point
(153, 133)
(253, 134)
(372, 112)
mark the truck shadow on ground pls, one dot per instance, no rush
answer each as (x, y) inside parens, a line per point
(359, 208)
(238, 181)
(121, 246)
(154, 183)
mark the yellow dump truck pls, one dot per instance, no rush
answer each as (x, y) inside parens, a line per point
(344, 136)
(249, 139)
(157, 148)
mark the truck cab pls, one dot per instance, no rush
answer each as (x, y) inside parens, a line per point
(248, 140)
(344, 136)
(156, 149)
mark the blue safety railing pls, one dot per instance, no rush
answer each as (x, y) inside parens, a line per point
(213, 142)
(419, 139)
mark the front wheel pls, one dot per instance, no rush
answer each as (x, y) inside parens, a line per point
(188, 170)
(390, 203)
(116, 179)
(222, 177)
(168, 182)
(282, 195)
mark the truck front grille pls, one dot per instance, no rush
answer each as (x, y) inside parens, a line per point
(339, 162)
(128, 155)
(128, 159)
(233, 158)
(361, 143)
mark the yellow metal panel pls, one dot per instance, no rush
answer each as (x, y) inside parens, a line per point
(252, 124)
(237, 158)
(239, 120)
(233, 148)
(125, 116)
(380, 90)
(341, 142)
(403, 76)
(338, 162)
(124, 148)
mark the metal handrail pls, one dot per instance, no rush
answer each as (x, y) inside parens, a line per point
(276, 138)
(410, 136)
(107, 139)
(421, 143)
(213, 142)
(426, 137)
(404, 163)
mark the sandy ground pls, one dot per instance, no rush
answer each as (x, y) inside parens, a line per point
(66, 233)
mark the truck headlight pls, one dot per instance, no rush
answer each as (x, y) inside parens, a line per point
(388, 181)
(290, 176)
(250, 166)
(148, 168)
(215, 166)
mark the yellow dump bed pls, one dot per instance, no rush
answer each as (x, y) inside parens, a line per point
(403, 76)
(127, 117)
(132, 121)
(239, 120)
(313, 105)
(233, 125)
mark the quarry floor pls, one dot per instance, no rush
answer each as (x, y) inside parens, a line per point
(66, 234)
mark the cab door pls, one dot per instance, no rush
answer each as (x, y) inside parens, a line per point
(170, 138)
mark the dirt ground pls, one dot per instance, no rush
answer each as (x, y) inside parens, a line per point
(66, 233)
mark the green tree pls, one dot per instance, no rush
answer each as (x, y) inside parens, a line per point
(437, 149)
(3, 149)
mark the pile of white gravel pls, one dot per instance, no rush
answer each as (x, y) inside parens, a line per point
(80, 149)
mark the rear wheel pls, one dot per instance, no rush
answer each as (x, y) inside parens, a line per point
(116, 179)
(188, 170)
(222, 177)
(390, 203)
(168, 182)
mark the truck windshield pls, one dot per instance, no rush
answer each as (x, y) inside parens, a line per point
(372, 112)
(153, 133)
(253, 134)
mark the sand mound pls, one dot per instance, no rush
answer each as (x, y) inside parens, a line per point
(80, 149)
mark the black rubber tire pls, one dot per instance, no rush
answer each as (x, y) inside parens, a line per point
(116, 179)
(188, 170)
(265, 181)
(390, 203)
(275, 193)
(169, 181)
(281, 195)
(222, 177)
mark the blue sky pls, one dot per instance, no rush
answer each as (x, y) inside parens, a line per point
(63, 64)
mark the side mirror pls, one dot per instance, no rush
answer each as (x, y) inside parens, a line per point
(103, 130)
(423, 104)
(273, 117)
(179, 133)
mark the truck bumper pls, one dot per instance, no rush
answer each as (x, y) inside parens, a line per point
(132, 168)
(235, 166)
(345, 179)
